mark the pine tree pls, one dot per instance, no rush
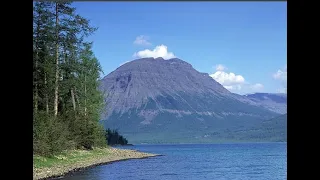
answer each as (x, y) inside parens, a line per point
(67, 102)
(42, 58)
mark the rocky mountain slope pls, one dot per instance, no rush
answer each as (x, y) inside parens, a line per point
(160, 101)
(276, 102)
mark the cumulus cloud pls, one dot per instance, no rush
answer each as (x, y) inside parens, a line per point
(257, 87)
(233, 82)
(158, 51)
(235, 87)
(281, 75)
(227, 79)
(228, 87)
(142, 40)
(220, 67)
(282, 90)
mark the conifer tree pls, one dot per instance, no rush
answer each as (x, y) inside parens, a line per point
(67, 102)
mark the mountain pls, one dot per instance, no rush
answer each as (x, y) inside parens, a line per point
(152, 100)
(276, 102)
(274, 129)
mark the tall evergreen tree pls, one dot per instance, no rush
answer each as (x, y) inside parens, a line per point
(67, 102)
(42, 60)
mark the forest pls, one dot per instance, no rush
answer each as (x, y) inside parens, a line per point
(67, 103)
(114, 138)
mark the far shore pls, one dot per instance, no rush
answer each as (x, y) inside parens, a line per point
(72, 161)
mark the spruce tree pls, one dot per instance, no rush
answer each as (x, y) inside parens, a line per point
(67, 102)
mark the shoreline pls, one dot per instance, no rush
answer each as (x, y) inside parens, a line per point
(109, 155)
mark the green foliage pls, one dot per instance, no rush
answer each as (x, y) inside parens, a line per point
(192, 128)
(65, 69)
(99, 136)
(40, 134)
(49, 135)
(114, 138)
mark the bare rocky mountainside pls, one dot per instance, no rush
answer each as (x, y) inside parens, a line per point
(274, 102)
(168, 101)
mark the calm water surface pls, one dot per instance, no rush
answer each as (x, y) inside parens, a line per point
(258, 161)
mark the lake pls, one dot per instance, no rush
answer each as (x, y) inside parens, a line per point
(245, 161)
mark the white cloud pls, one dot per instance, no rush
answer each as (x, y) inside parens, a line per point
(257, 87)
(142, 40)
(281, 75)
(220, 67)
(282, 90)
(227, 79)
(229, 87)
(233, 82)
(159, 51)
(234, 87)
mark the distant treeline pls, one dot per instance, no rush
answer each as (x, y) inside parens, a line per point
(114, 138)
(67, 104)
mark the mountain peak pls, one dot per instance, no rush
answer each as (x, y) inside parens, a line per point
(157, 94)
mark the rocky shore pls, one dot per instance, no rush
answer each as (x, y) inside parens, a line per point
(71, 162)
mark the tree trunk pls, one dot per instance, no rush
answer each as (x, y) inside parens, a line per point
(46, 96)
(35, 96)
(56, 89)
(85, 95)
(35, 79)
(73, 99)
(77, 98)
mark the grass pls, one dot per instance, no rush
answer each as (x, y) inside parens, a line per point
(69, 157)
(74, 160)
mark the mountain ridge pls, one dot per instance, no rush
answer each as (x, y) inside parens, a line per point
(155, 95)
(276, 102)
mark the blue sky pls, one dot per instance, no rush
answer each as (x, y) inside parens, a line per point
(243, 45)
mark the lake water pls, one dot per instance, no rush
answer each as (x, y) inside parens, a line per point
(245, 161)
